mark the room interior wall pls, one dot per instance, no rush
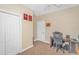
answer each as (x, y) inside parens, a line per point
(65, 21)
(27, 26)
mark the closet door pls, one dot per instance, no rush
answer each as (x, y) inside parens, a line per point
(2, 35)
(12, 34)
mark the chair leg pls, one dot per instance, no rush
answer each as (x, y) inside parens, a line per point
(57, 49)
(63, 50)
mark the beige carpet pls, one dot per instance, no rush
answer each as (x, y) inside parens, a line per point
(41, 48)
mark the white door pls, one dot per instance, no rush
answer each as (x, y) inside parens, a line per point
(12, 34)
(11, 42)
(41, 30)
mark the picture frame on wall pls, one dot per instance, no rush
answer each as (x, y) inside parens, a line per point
(30, 18)
(25, 16)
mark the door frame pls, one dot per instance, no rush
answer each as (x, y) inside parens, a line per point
(20, 23)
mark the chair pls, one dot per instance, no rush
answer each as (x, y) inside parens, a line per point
(66, 44)
(58, 40)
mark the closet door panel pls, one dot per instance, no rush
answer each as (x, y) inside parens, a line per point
(10, 40)
(2, 35)
(12, 34)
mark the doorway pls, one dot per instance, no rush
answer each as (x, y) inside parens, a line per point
(41, 30)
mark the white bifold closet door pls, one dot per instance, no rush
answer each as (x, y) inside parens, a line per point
(2, 35)
(10, 41)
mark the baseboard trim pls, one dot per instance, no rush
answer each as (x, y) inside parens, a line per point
(35, 40)
(26, 48)
(43, 41)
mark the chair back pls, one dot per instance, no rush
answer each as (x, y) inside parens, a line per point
(58, 37)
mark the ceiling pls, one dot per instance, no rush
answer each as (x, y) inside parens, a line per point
(40, 9)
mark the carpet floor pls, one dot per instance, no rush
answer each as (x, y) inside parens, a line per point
(41, 48)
